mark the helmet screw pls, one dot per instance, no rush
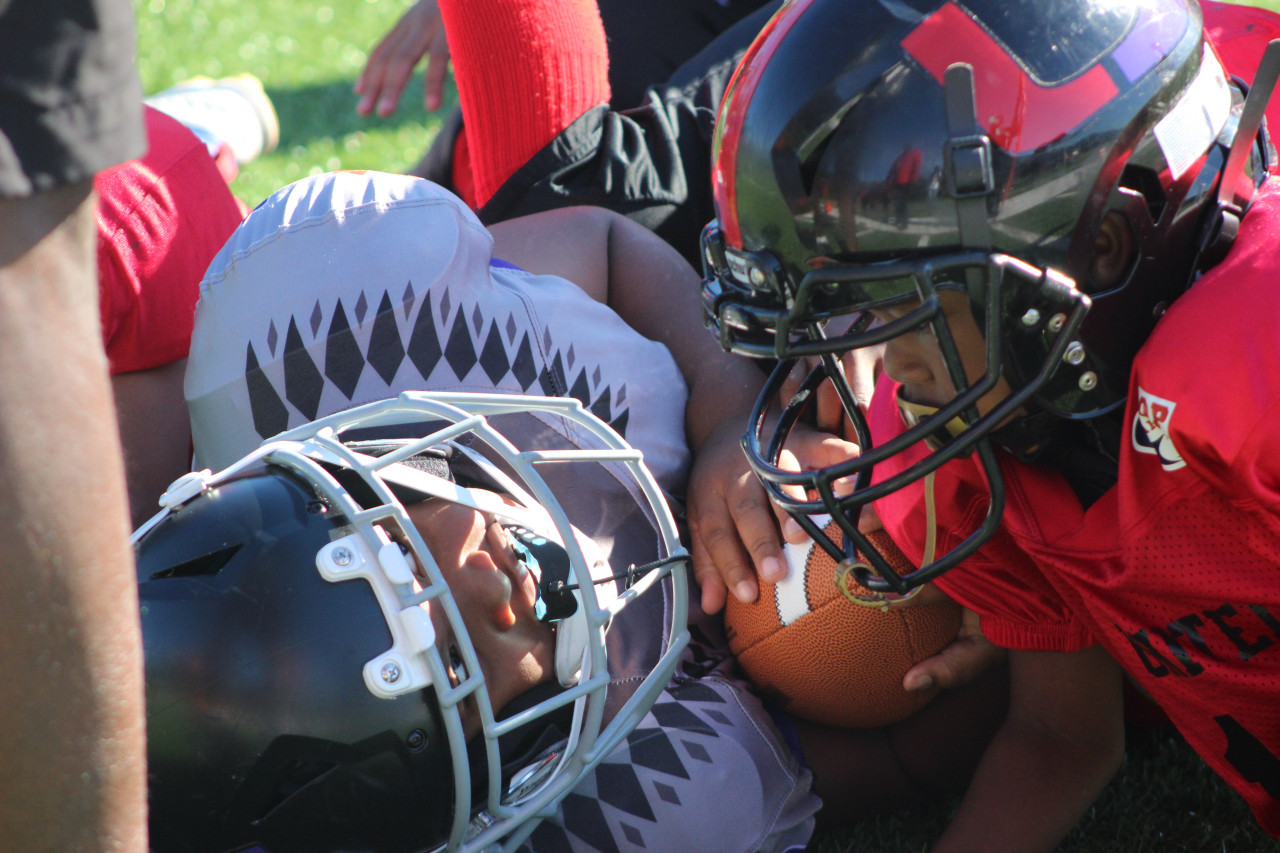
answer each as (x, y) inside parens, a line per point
(416, 740)
(1056, 322)
(342, 556)
(1075, 354)
(1088, 380)
(757, 277)
(390, 672)
(1031, 317)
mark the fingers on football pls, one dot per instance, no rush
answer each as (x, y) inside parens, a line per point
(799, 371)
(734, 542)
(958, 664)
(707, 574)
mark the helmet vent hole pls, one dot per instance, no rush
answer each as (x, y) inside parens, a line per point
(1146, 182)
(201, 567)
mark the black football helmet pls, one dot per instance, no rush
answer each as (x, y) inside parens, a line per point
(870, 153)
(297, 699)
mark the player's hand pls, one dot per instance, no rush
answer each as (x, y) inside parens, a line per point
(734, 526)
(809, 448)
(736, 539)
(418, 33)
(731, 521)
(832, 439)
(967, 656)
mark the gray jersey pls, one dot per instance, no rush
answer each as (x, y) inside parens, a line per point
(343, 289)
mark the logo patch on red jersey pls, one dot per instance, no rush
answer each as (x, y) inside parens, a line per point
(1151, 430)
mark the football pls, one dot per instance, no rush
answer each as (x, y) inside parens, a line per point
(823, 657)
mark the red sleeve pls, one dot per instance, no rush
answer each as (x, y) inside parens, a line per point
(525, 69)
(161, 219)
(1211, 407)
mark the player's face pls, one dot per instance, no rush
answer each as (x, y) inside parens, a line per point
(496, 596)
(915, 359)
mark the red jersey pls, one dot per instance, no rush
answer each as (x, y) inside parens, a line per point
(1176, 570)
(161, 219)
(1179, 565)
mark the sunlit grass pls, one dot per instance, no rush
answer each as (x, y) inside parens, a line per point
(308, 54)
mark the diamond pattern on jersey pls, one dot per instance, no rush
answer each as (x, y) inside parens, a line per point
(343, 361)
(424, 344)
(619, 800)
(633, 835)
(651, 748)
(620, 787)
(675, 716)
(386, 350)
(269, 413)
(585, 818)
(459, 351)
(324, 348)
(302, 379)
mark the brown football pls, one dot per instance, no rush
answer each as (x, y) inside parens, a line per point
(826, 658)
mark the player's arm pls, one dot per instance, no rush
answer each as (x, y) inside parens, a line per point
(155, 433)
(71, 712)
(1060, 744)
(650, 286)
(656, 291)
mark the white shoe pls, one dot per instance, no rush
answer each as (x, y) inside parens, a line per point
(231, 111)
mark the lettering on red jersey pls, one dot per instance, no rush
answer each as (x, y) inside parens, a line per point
(1185, 646)
(1151, 430)
(1222, 637)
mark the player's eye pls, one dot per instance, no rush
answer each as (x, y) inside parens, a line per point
(457, 667)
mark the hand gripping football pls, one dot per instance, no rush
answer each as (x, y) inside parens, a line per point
(823, 657)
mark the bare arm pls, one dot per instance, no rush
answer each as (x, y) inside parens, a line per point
(1060, 745)
(71, 712)
(155, 432)
(652, 287)
(655, 290)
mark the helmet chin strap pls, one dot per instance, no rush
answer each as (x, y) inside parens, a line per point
(1223, 223)
(967, 155)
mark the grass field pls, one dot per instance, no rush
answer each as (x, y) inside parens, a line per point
(308, 54)
(1163, 800)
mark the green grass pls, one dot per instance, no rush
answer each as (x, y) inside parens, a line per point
(1163, 800)
(308, 54)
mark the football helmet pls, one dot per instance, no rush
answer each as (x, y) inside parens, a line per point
(297, 697)
(871, 154)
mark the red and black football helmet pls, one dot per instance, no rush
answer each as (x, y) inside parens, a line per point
(869, 153)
